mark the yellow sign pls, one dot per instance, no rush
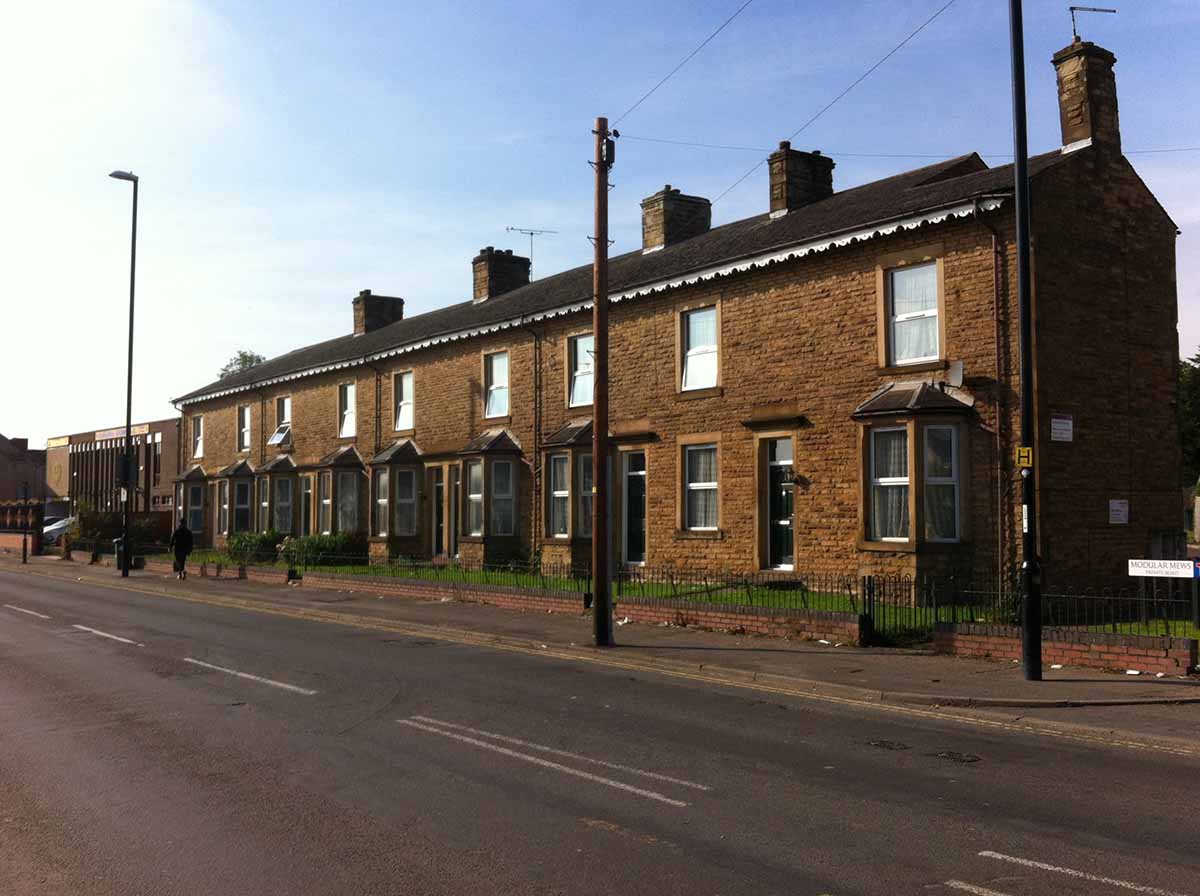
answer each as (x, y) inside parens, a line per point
(1024, 458)
(58, 442)
(138, 429)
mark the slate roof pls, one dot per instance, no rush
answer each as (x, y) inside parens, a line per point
(281, 463)
(490, 441)
(346, 456)
(901, 398)
(931, 187)
(577, 432)
(404, 451)
(237, 468)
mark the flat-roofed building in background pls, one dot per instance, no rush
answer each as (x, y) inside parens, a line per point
(82, 468)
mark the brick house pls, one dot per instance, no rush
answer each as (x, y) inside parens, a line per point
(830, 385)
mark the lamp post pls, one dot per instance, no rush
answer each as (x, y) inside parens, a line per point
(127, 461)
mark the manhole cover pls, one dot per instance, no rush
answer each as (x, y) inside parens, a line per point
(889, 745)
(957, 757)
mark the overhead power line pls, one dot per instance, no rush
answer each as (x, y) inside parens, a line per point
(875, 155)
(892, 52)
(686, 60)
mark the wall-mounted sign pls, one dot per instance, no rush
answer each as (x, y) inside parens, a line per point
(58, 442)
(1062, 428)
(1168, 569)
(139, 429)
(1118, 512)
(1023, 458)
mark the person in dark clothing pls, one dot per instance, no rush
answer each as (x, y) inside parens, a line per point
(181, 543)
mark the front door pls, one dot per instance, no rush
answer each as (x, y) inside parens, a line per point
(634, 478)
(439, 513)
(780, 494)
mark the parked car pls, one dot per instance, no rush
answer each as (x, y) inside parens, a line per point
(53, 532)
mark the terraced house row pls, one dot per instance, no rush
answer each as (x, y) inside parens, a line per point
(831, 384)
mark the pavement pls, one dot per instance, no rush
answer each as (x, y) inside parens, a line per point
(218, 736)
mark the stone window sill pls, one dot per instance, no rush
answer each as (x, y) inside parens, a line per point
(901, 369)
(694, 394)
(699, 535)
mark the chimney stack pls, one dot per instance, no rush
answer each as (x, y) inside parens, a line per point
(372, 312)
(496, 273)
(670, 217)
(1087, 94)
(798, 178)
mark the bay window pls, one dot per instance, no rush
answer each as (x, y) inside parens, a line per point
(941, 483)
(583, 527)
(474, 497)
(406, 502)
(264, 504)
(560, 494)
(503, 498)
(195, 508)
(347, 501)
(283, 505)
(889, 484)
(324, 503)
(379, 510)
(223, 507)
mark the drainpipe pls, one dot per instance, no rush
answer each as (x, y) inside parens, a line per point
(978, 215)
(535, 464)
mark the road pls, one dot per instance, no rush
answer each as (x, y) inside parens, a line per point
(158, 746)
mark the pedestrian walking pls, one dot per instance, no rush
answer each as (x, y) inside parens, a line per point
(181, 543)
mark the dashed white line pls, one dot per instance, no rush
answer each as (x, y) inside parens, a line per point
(545, 763)
(1082, 875)
(96, 631)
(971, 888)
(30, 612)
(272, 682)
(565, 753)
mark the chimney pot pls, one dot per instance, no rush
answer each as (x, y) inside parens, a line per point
(798, 178)
(670, 217)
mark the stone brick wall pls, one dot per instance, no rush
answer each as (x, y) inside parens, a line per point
(1171, 656)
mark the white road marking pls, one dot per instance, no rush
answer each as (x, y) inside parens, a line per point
(96, 631)
(30, 612)
(565, 753)
(1083, 875)
(971, 888)
(272, 682)
(545, 763)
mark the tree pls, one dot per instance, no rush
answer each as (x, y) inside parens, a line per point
(243, 360)
(1189, 417)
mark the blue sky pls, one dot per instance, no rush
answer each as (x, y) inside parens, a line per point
(292, 154)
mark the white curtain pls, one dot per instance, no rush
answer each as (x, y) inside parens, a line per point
(889, 511)
(702, 488)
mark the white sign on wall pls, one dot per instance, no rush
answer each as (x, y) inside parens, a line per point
(1062, 428)
(1118, 512)
(1170, 569)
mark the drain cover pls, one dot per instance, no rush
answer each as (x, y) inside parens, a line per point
(957, 757)
(889, 745)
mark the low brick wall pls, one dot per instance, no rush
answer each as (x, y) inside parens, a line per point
(10, 542)
(212, 570)
(844, 628)
(1171, 656)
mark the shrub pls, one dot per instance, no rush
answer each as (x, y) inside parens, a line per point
(324, 550)
(253, 547)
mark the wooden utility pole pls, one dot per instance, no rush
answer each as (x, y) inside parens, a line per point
(601, 584)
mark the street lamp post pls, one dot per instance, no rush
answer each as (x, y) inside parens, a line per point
(127, 461)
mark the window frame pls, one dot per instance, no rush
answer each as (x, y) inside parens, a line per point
(413, 502)
(343, 477)
(707, 485)
(347, 398)
(194, 506)
(277, 505)
(489, 386)
(283, 421)
(954, 480)
(584, 496)
(244, 426)
(197, 436)
(573, 370)
(554, 495)
(684, 351)
(511, 497)
(223, 507)
(248, 506)
(262, 487)
(325, 502)
(890, 482)
(401, 399)
(884, 266)
(381, 482)
(471, 499)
